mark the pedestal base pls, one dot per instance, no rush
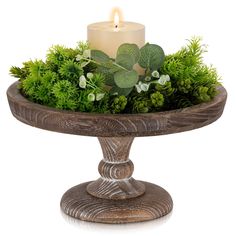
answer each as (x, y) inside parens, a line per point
(154, 203)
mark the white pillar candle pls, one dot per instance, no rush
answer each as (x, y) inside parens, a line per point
(108, 36)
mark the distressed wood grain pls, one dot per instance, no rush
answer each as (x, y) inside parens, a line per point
(155, 203)
(116, 197)
(116, 170)
(108, 125)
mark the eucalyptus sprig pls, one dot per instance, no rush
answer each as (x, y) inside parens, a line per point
(119, 72)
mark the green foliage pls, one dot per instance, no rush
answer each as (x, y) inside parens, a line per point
(141, 105)
(30, 86)
(66, 95)
(16, 72)
(118, 73)
(204, 94)
(96, 82)
(38, 84)
(182, 102)
(157, 99)
(70, 70)
(87, 80)
(129, 49)
(23, 72)
(167, 90)
(118, 104)
(124, 91)
(82, 47)
(193, 81)
(184, 85)
(126, 61)
(149, 101)
(99, 56)
(87, 105)
(102, 106)
(151, 57)
(56, 82)
(57, 55)
(126, 79)
(44, 93)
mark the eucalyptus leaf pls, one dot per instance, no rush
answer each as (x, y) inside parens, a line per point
(126, 61)
(120, 91)
(111, 68)
(130, 49)
(110, 80)
(84, 63)
(151, 56)
(126, 79)
(99, 56)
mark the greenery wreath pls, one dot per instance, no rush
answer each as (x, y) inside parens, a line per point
(87, 80)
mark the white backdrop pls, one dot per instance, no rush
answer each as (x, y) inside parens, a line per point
(196, 167)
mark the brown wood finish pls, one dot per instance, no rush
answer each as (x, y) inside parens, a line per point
(116, 170)
(116, 197)
(155, 203)
(107, 125)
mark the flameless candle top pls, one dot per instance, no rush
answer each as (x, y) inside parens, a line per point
(110, 26)
(109, 35)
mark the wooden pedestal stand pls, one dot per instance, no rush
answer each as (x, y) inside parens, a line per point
(116, 197)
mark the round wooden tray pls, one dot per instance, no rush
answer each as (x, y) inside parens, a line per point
(107, 125)
(116, 197)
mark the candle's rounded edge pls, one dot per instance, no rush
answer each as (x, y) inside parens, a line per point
(108, 26)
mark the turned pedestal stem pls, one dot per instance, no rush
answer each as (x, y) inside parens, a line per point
(116, 197)
(116, 170)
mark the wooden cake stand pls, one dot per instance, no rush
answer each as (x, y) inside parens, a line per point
(115, 197)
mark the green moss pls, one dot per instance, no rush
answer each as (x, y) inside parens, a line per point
(157, 99)
(118, 104)
(141, 106)
(70, 70)
(66, 95)
(194, 82)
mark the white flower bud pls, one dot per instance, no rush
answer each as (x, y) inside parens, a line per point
(144, 87)
(155, 74)
(79, 57)
(91, 97)
(163, 79)
(99, 96)
(147, 78)
(87, 53)
(89, 75)
(82, 81)
(138, 87)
